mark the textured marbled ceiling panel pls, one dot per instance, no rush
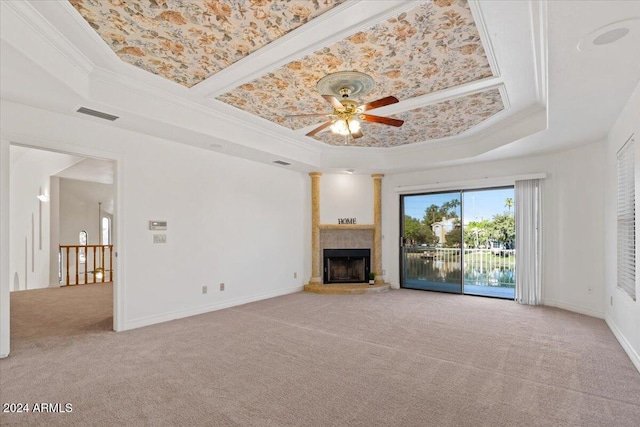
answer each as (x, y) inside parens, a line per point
(431, 47)
(189, 40)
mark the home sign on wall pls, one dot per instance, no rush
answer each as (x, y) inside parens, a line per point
(346, 221)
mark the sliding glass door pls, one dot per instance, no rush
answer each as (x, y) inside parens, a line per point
(460, 242)
(490, 236)
(431, 250)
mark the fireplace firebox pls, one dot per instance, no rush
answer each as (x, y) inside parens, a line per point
(346, 265)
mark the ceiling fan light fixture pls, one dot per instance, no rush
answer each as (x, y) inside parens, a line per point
(345, 127)
(345, 84)
(354, 125)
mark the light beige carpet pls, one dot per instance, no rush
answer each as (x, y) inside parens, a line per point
(399, 358)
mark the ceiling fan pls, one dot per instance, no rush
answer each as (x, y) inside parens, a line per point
(343, 120)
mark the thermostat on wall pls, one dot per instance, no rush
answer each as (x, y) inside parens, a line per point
(157, 225)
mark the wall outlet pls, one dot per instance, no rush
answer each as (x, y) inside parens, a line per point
(295, 275)
(204, 289)
(222, 286)
(159, 238)
(590, 291)
(612, 300)
(384, 272)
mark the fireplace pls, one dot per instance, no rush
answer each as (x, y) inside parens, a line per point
(346, 265)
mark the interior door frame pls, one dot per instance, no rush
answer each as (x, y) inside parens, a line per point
(117, 226)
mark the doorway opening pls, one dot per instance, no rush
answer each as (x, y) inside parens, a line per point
(60, 200)
(460, 242)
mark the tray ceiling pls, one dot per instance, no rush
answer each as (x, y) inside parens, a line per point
(421, 51)
(56, 61)
(431, 47)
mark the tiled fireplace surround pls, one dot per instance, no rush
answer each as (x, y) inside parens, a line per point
(332, 238)
(345, 236)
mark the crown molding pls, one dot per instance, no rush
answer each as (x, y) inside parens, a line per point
(326, 29)
(442, 96)
(491, 125)
(221, 112)
(506, 102)
(90, 32)
(540, 46)
(38, 25)
(478, 17)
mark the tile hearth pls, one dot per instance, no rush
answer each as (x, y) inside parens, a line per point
(346, 288)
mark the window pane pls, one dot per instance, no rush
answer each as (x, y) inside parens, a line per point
(626, 216)
(489, 236)
(106, 232)
(432, 242)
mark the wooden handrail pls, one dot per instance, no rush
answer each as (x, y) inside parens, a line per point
(68, 265)
(89, 273)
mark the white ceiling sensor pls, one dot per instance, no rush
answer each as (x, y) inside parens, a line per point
(609, 34)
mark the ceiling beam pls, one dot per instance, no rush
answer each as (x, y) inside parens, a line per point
(328, 28)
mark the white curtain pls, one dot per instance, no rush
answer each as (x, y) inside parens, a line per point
(528, 208)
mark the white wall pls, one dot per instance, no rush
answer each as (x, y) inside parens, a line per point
(622, 313)
(346, 196)
(30, 246)
(229, 220)
(573, 195)
(5, 269)
(78, 212)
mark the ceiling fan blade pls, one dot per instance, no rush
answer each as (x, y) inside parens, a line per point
(379, 103)
(334, 102)
(383, 120)
(321, 127)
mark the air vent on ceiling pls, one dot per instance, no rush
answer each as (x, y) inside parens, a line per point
(98, 114)
(280, 162)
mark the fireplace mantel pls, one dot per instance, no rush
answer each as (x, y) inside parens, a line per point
(347, 227)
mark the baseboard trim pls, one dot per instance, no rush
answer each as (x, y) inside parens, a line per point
(165, 317)
(574, 308)
(633, 355)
